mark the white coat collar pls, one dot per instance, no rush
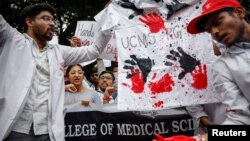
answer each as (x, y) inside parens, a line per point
(238, 48)
(48, 46)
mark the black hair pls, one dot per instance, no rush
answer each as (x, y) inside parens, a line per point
(32, 11)
(200, 24)
(106, 71)
(70, 67)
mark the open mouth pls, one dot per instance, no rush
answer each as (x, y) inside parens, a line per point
(77, 80)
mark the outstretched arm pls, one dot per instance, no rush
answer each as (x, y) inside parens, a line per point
(6, 32)
(86, 53)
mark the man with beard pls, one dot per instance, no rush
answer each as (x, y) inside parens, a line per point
(32, 83)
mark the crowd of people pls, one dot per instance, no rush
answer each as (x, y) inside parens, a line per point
(90, 81)
(50, 76)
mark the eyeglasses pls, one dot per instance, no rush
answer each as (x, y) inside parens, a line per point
(47, 19)
(106, 77)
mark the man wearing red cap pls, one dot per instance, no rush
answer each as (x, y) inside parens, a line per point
(226, 21)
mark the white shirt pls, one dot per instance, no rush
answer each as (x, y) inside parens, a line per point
(18, 67)
(36, 108)
(231, 79)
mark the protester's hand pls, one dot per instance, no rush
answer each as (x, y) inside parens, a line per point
(109, 90)
(85, 102)
(202, 137)
(187, 62)
(108, 93)
(205, 121)
(70, 88)
(75, 42)
(153, 21)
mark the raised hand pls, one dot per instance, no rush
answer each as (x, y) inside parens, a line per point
(199, 77)
(129, 5)
(187, 62)
(70, 88)
(75, 41)
(85, 102)
(153, 21)
(139, 70)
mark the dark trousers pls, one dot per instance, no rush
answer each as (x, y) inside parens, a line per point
(15, 136)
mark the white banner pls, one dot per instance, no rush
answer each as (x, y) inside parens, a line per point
(160, 64)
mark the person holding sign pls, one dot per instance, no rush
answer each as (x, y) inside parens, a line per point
(31, 107)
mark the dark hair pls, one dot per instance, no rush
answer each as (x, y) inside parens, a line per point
(70, 67)
(32, 10)
(103, 72)
(201, 23)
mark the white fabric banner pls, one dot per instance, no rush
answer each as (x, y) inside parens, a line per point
(160, 64)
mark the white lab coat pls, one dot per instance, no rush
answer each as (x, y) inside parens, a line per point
(17, 68)
(231, 79)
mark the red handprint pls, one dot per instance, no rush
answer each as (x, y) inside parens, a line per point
(137, 81)
(139, 68)
(199, 77)
(154, 21)
(165, 84)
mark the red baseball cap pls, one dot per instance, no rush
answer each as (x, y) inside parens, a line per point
(209, 7)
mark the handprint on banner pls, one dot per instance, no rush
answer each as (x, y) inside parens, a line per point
(189, 64)
(165, 84)
(129, 5)
(153, 21)
(138, 75)
(174, 6)
(199, 77)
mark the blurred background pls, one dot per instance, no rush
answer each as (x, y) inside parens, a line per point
(68, 13)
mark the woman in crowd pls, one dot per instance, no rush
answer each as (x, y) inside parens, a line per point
(85, 96)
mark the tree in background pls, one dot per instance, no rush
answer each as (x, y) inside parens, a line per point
(68, 13)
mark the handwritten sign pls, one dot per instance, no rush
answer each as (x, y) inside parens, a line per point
(87, 32)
